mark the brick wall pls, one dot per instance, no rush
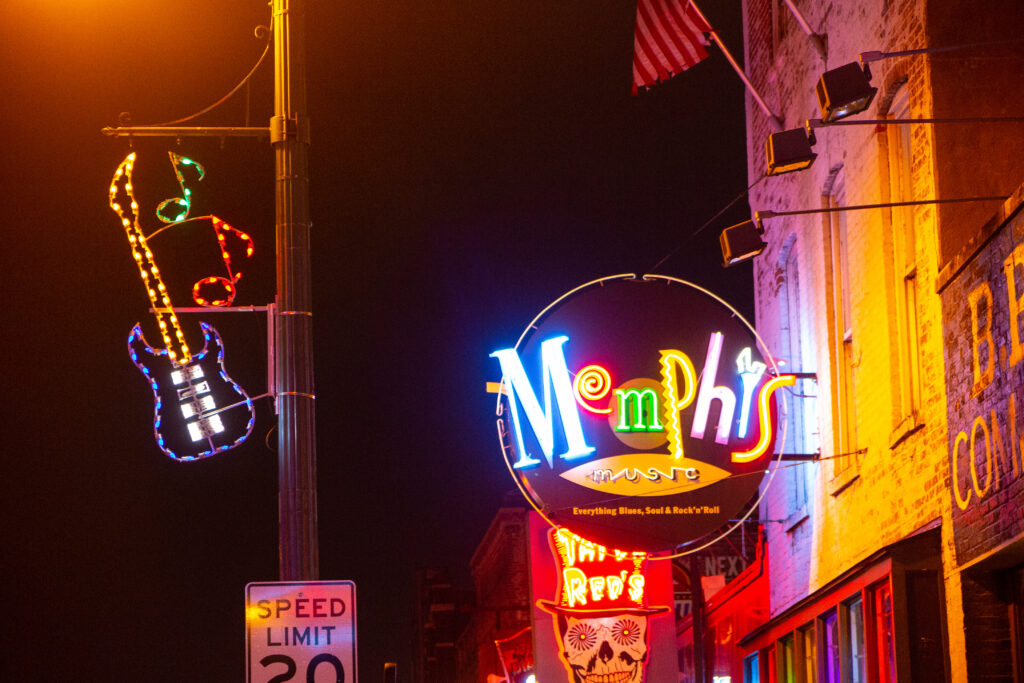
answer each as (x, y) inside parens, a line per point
(986, 388)
(901, 480)
(988, 657)
(896, 490)
(500, 570)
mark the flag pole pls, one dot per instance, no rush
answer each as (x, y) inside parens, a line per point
(736, 67)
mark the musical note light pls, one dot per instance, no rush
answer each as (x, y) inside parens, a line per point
(184, 202)
(222, 230)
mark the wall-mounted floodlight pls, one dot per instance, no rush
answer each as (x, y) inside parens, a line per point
(742, 242)
(847, 90)
(844, 91)
(789, 151)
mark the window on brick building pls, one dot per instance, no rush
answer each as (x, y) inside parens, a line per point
(801, 427)
(751, 669)
(853, 641)
(786, 659)
(807, 654)
(844, 413)
(885, 638)
(907, 364)
(832, 662)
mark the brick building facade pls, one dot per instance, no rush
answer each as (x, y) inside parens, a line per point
(500, 568)
(897, 554)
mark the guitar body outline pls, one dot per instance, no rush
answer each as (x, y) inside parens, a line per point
(189, 398)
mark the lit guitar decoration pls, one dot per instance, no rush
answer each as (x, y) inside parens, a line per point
(190, 390)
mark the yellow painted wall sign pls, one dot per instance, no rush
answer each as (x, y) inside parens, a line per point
(639, 413)
(983, 321)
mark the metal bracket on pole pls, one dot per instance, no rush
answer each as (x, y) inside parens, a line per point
(283, 128)
(272, 353)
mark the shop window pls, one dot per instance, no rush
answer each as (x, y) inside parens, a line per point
(907, 387)
(801, 425)
(831, 655)
(751, 669)
(885, 645)
(807, 658)
(844, 412)
(853, 642)
(786, 659)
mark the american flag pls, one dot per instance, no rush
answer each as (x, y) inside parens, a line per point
(669, 38)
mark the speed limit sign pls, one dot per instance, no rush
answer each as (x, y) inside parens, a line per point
(302, 631)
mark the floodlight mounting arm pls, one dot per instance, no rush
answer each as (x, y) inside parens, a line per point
(811, 124)
(760, 216)
(878, 55)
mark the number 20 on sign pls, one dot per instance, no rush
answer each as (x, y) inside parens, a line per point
(300, 631)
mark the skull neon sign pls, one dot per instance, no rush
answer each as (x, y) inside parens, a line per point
(601, 612)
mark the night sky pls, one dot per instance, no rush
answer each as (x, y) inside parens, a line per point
(471, 160)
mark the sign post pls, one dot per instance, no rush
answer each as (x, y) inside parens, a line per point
(299, 630)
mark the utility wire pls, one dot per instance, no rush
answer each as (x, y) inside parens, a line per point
(702, 228)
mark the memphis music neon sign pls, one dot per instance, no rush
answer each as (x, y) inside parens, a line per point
(638, 410)
(619, 413)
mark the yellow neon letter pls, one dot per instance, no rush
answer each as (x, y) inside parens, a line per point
(764, 417)
(615, 586)
(575, 586)
(636, 587)
(674, 403)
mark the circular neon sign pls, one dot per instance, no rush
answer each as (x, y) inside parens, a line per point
(640, 413)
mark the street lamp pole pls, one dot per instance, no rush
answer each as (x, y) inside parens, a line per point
(299, 555)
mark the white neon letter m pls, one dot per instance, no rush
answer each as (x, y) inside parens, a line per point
(554, 374)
